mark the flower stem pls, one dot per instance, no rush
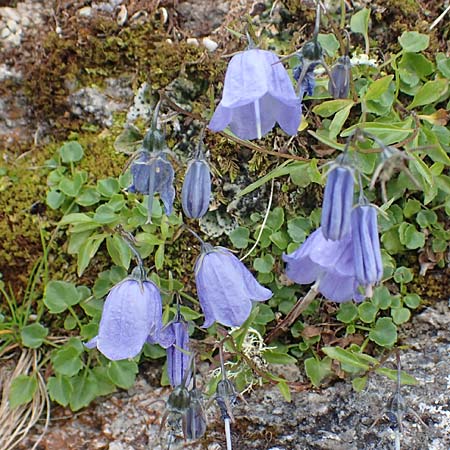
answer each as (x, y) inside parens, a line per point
(293, 315)
(228, 434)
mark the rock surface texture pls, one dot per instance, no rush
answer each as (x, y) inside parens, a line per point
(333, 418)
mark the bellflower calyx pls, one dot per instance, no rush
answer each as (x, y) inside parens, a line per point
(132, 313)
(226, 287)
(257, 93)
(337, 201)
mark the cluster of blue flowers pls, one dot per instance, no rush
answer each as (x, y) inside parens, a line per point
(343, 256)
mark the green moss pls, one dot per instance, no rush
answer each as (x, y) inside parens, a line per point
(88, 56)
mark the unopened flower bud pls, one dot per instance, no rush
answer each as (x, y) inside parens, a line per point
(196, 192)
(366, 245)
(339, 84)
(337, 203)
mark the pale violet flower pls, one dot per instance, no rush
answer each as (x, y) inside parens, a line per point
(329, 264)
(337, 200)
(257, 93)
(225, 287)
(131, 315)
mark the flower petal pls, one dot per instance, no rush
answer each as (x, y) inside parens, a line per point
(131, 312)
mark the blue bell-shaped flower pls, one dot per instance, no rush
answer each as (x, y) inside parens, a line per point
(339, 84)
(196, 191)
(366, 246)
(337, 201)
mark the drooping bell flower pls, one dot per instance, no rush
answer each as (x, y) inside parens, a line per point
(132, 312)
(257, 93)
(196, 191)
(225, 287)
(174, 338)
(366, 247)
(327, 263)
(337, 200)
(339, 83)
(151, 171)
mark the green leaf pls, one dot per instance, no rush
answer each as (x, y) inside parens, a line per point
(104, 214)
(326, 140)
(123, 373)
(265, 314)
(66, 360)
(412, 300)
(159, 257)
(403, 275)
(59, 295)
(33, 335)
(22, 390)
(367, 312)
(443, 64)
(71, 152)
(264, 264)
(281, 170)
(378, 88)
(317, 369)
(83, 392)
(240, 237)
(329, 43)
(400, 315)
(359, 23)
(426, 218)
(189, 314)
(274, 357)
(154, 351)
(389, 133)
(108, 187)
(412, 41)
(119, 251)
(71, 186)
(429, 93)
(412, 207)
(99, 376)
(392, 374)
(280, 239)
(297, 229)
(87, 251)
(382, 297)
(384, 333)
(347, 357)
(275, 218)
(330, 107)
(300, 176)
(410, 237)
(284, 390)
(338, 121)
(347, 312)
(55, 199)
(60, 389)
(88, 196)
(359, 383)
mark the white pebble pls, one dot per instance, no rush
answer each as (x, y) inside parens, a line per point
(86, 11)
(12, 25)
(192, 41)
(209, 44)
(122, 16)
(10, 13)
(4, 33)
